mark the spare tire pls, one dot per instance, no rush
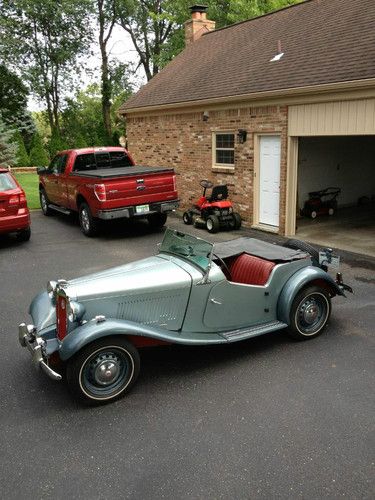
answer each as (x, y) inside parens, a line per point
(305, 247)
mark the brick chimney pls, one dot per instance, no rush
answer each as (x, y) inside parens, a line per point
(198, 25)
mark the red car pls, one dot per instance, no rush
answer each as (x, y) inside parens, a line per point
(14, 214)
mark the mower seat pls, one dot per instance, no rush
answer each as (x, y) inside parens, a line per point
(219, 193)
(250, 270)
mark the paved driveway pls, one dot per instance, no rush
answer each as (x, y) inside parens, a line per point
(264, 418)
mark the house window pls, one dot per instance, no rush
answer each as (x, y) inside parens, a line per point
(224, 149)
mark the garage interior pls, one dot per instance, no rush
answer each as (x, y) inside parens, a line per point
(348, 163)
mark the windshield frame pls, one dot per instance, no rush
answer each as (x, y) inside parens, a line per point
(184, 246)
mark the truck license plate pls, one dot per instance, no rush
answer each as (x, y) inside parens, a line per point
(141, 209)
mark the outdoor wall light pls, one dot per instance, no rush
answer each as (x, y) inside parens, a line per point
(206, 115)
(241, 136)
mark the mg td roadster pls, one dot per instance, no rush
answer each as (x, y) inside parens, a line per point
(192, 292)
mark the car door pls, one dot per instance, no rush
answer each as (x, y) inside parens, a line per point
(51, 180)
(234, 305)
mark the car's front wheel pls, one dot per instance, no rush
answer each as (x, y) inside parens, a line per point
(103, 371)
(309, 313)
(44, 203)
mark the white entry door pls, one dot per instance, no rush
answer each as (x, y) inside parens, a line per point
(269, 180)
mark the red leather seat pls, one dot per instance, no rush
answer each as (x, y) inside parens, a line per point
(250, 270)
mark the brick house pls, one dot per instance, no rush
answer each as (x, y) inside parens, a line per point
(274, 107)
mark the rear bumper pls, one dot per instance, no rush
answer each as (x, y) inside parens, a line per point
(128, 212)
(28, 338)
(14, 223)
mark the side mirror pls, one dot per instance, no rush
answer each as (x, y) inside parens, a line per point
(41, 170)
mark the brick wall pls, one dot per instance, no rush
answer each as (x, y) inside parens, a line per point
(184, 141)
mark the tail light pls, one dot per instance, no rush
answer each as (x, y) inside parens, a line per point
(100, 193)
(14, 200)
(17, 200)
(61, 316)
(174, 183)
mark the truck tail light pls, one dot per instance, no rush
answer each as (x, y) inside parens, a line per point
(100, 193)
(61, 317)
(174, 183)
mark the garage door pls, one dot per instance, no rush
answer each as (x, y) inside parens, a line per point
(333, 118)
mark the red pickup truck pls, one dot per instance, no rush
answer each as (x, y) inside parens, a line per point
(103, 183)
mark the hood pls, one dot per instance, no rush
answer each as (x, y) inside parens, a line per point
(152, 291)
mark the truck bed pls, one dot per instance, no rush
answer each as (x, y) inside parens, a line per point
(109, 173)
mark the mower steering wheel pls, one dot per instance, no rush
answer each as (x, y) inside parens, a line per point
(206, 184)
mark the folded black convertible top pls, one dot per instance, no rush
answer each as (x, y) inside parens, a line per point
(259, 248)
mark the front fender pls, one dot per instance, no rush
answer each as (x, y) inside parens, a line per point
(300, 279)
(94, 330)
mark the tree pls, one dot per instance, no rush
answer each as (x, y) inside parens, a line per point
(8, 149)
(150, 24)
(13, 106)
(22, 159)
(156, 26)
(43, 39)
(38, 155)
(106, 19)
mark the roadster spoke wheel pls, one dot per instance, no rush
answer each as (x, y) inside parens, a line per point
(309, 313)
(103, 370)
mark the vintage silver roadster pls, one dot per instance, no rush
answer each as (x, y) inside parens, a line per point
(192, 292)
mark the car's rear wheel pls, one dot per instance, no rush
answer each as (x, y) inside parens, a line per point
(212, 224)
(24, 235)
(157, 220)
(103, 371)
(309, 313)
(44, 203)
(88, 224)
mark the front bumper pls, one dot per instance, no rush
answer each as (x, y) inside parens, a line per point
(28, 337)
(128, 212)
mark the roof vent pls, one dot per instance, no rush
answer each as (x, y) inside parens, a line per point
(279, 54)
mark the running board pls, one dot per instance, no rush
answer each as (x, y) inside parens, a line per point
(62, 210)
(253, 331)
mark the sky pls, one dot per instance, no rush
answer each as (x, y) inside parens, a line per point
(120, 47)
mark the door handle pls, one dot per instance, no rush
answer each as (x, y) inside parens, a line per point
(215, 301)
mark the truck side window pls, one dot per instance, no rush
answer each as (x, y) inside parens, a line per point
(54, 165)
(120, 159)
(102, 160)
(84, 162)
(62, 164)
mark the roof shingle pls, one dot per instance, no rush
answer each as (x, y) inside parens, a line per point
(324, 41)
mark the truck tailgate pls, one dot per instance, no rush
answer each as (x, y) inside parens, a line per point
(131, 186)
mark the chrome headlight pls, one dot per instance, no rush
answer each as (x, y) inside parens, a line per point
(75, 311)
(51, 287)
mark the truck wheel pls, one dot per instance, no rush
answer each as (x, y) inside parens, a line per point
(309, 313)
(24, 235)
(89, 225)
(212, 224)
(103, 371)
(44, 203)
(157, 220)
(187, 218)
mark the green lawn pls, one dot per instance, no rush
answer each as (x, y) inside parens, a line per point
(29, 182)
